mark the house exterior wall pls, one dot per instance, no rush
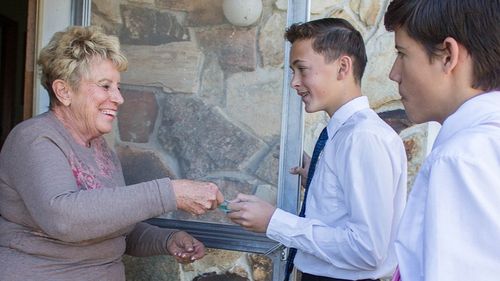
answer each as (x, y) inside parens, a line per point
(203, 100)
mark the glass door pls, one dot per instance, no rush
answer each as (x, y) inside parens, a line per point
(207, 98)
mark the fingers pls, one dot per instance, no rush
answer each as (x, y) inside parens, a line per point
(187, 243)
(241, 197)
(238, 203)
(196, 197)
(185, 248)
(296, 170)
(219, 199)
(196, 252)
(199, 250)
(185, 258)
(238, 218)
(243, 202)
(214, 198)
(252, 213)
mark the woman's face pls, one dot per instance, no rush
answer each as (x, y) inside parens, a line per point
(94, 105)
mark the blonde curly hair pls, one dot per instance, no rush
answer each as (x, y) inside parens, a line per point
(70, 53)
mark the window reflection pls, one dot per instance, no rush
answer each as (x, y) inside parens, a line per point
(203, 97)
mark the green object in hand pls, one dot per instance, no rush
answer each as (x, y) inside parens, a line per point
(224, 207)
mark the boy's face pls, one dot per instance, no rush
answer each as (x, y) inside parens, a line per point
(313, 78)
(420, 80)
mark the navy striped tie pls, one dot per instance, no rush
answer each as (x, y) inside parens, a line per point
(320, 144)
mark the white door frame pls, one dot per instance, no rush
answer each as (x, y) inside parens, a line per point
(53, 16)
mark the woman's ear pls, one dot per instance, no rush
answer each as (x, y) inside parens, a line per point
(450, 54)
(61, 90)
(344, 67)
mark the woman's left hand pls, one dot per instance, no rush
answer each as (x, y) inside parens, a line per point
(185, 248)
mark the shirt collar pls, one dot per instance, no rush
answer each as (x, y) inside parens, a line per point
(471, 113)
(345, 112)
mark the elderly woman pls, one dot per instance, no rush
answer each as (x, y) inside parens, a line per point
(66, 213)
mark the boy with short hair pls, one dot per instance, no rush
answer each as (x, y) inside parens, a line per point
(448, 70)
(356, 191)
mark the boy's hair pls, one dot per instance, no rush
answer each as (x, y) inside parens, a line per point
(332, 37)
(473, 23)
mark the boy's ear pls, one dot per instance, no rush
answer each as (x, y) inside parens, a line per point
(344, 67)
(61, 90)
(450, 55)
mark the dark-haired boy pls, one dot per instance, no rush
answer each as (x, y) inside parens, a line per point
(357, 194)
(448, 70)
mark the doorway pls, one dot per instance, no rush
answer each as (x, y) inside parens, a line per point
(15, 37)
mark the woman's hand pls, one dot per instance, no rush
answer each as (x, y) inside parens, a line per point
(196, 197)
(184, 247)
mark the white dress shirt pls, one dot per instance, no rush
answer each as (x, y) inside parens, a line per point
(355, 201)
(451, 228)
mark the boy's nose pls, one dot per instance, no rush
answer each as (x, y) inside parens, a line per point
(295, 83)
(395, 74)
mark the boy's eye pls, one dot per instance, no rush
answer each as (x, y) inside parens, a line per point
(303, 70)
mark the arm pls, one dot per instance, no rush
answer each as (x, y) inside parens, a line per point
(149, 240)
(41, 175)
(253, 213)
(372, 181)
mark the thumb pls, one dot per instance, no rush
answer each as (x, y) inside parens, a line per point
(219, 197)
(244, 197)
(188, 245)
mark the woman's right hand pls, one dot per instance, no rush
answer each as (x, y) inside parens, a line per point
(196, 197)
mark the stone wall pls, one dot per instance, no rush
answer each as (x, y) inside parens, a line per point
(204, 98)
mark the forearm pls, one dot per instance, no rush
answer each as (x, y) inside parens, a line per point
(148, 240)
(64, 211)
(90, 214)
(347, 248)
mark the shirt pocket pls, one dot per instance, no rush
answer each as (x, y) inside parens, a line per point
(325, 194)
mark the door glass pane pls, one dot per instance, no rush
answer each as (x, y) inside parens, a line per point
(203, 96)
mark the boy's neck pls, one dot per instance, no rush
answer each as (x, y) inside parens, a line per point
(349, 92)
(462, 96)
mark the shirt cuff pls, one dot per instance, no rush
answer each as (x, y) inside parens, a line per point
(167, 195)
(281, 227)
